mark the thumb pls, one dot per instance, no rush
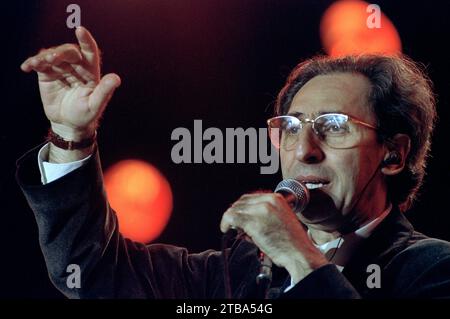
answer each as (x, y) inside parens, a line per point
(103, 91)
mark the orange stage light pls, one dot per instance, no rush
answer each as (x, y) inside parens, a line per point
(344, 30)
(141, 197)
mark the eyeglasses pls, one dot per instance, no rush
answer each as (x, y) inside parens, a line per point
(336, 130)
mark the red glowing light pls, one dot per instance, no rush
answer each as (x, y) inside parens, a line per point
(345, 30)
(141, 197)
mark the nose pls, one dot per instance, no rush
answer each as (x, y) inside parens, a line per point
(308, 149)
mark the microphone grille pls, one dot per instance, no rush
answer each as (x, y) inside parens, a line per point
(294, 187)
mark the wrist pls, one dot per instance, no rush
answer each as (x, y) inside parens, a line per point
(301, 266)
(58, 155)
(69, 145)
(73, 134)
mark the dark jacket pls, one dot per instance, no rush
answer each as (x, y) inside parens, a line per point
(77, 226)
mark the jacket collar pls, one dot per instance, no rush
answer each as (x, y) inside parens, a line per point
(388, 239)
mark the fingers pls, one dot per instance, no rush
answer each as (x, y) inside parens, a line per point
(83, 58)
(88, 46)
(229, 220)
(104, 91)
(69, 75)
(246, 216)
(86, 74)
(37, 63)
(66, 53)
(251, 209)
(273, 198)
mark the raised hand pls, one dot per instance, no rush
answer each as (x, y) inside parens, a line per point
(73, 93)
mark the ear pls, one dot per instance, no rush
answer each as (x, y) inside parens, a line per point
(401, 144)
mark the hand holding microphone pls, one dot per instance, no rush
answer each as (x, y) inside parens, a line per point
(270, 221)
(297, 196)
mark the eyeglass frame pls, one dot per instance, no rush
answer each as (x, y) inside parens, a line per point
(349, 118)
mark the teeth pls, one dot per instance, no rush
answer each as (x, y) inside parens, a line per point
(313, 185)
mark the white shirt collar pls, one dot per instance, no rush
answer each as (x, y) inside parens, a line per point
(339, 250)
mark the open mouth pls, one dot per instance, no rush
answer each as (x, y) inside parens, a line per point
(312, 182)
(315, 185)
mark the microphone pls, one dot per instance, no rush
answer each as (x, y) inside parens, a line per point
(297, 196)
(295, 193)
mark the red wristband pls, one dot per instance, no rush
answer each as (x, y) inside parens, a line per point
(70, 145)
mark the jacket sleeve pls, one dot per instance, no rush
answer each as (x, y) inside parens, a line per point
(326, 282)
(78, 227)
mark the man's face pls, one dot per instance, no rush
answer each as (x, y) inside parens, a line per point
(354, 190)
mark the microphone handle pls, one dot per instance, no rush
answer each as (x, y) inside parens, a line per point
(264, 278)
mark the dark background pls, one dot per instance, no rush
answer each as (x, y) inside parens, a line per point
(219, 61)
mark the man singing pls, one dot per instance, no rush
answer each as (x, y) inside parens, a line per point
(355, 130)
